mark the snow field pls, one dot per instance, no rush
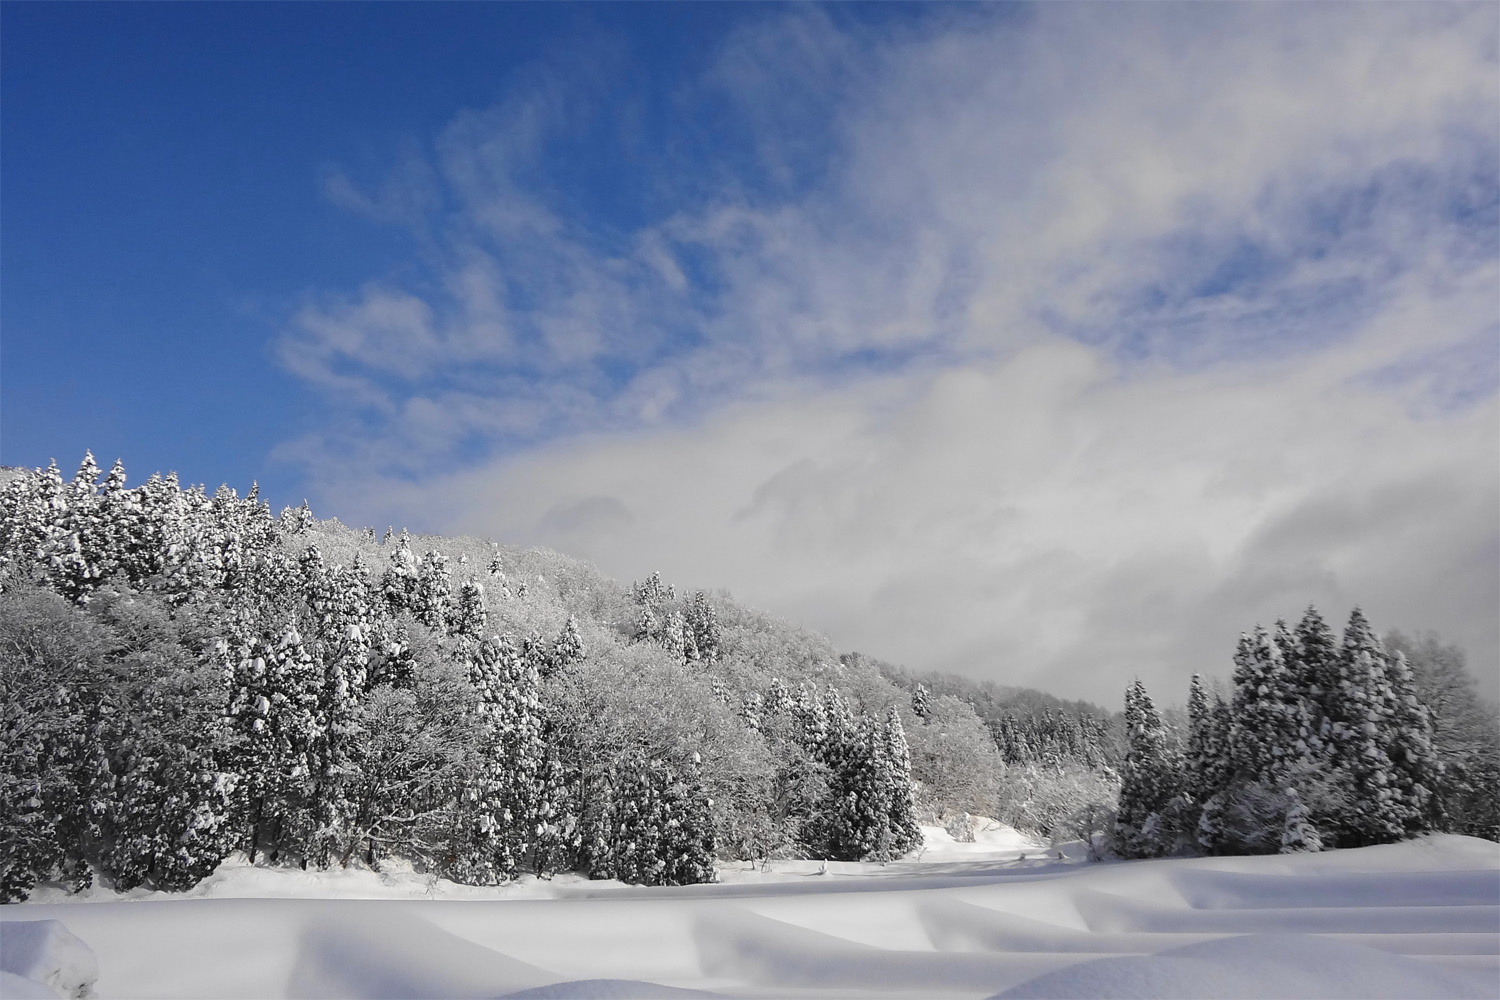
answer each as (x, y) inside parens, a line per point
(1415, 919)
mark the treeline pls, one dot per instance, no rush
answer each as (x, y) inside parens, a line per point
(185, 676)
(1323, 742)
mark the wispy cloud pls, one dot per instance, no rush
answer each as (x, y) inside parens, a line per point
(1049, 340)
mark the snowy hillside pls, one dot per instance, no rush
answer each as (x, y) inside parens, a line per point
(1421, 918)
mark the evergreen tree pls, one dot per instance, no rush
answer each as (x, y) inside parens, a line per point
(778, 700)
(1272, 741)
(432, 592)
(506, 802)
(1298, 833)
(703, 633)
(1414, 764)
(470, 617)
(1202, 754)
(652, 825)
(1148, 781)
(273, 712)
(1361, 707)
(905, 833)
(399, 583)
(919, 704)
(569, 648)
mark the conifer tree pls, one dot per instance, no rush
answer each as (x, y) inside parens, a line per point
(432, 593)
(273, 712)
(1272, 739)
(569, 648)
(778, 700)
(399, 583)
(906, 833)
(919, 699)
(1201, 753)
(1414, 764)
(1298, 833)
(507, 801)
(703, 625)
(470, 617)
(1148, 781)
(1361, 708)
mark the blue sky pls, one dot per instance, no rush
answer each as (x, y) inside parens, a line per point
(1047, 343)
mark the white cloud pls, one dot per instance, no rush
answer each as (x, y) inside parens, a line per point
(1039, 520)
(1055, 347)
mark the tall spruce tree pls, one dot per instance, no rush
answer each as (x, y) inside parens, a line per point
(1414, 763)
(1149, 781)
(1362, 707)
(506, 802)
(1272, 742)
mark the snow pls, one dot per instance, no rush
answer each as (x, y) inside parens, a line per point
(1416, 919)
(41, 958)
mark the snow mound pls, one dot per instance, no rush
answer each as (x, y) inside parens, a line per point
(45, 955)
(1420, 919)
(1269, 966)
(383, 951)
(606, 989)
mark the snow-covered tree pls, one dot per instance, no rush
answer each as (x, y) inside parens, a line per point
(703, 634)
(505, 802)
(1361, 707)
(1272, 726)
(470, 616)
(1298, 834)
(919, 699)
(1149, 781)
(1465, 735)
(273, 711)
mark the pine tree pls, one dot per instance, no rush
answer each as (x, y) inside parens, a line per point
(1202, 753)
(1362, 709)
(569, 648)
(905, 833)
(1266, 724)
(470, 617)
(752, 711)
(778, 700)
(507, 800)
(689, 842)
(704, 633)
(1148, 781)
(1298, 833)
(432, 594)
(1414, 763)
(653, 591)
(399, 583)
(919, 699)
(273, 711)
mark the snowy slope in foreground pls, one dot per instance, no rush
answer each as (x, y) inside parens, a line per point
(1406, 920)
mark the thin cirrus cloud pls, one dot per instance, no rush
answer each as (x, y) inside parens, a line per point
(1053, 348)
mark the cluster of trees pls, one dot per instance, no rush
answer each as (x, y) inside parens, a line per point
(186, 676)
(1324, 742)
(1054, 738)
(845, 786)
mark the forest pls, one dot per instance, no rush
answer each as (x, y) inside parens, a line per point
(184, 676)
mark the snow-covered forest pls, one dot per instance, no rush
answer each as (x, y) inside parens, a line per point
(187, 676)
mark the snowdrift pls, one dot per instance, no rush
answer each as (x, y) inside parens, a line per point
(1419, 919)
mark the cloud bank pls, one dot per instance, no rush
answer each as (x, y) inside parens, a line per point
(1053, 345)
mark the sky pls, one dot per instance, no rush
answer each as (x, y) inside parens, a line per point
(1054, 345)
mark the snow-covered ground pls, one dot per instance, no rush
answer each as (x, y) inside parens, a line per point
(962, 920)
